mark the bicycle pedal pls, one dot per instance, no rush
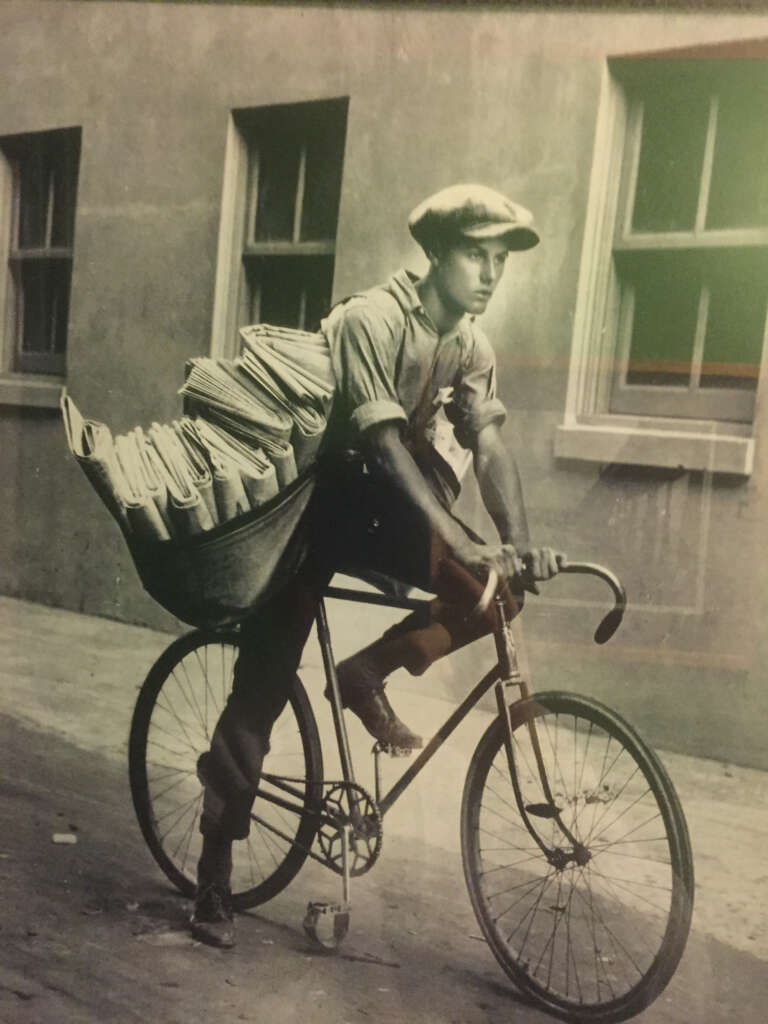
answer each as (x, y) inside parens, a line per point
(387, 748)
(400, 751)
(327, 923)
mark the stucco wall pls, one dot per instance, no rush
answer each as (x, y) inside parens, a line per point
(436, 96)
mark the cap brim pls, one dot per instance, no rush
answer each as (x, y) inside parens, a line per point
(517, 236)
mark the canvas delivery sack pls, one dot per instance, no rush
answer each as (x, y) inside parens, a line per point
(212, 505)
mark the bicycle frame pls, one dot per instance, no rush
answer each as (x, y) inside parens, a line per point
(491, 678)
(502, 676)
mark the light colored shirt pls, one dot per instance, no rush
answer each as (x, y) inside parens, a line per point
(391, 364)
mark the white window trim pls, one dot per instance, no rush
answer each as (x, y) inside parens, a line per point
(589, 431)
(42, 391)
(229, 270)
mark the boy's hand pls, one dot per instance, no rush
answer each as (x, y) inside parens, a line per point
(480, 559)
(530, 566)
(541, 564)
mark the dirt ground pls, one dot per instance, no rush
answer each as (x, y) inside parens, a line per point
(90, 931)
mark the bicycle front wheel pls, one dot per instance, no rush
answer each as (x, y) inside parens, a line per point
(583, 886)
(176, 712)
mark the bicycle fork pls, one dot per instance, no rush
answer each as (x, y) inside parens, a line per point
(509, 675)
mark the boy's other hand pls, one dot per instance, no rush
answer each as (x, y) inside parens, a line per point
(540, 564)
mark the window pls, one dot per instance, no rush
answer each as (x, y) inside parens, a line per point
(39, 188)
(691, 243)
(674, 290)
(279, 214)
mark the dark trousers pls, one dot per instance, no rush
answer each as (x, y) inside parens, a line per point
(360, 526)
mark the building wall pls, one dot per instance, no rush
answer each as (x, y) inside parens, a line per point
(436, 96)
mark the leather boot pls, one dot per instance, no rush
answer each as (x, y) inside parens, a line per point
(362, 691)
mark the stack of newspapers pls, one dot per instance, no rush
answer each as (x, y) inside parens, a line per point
(250, 426)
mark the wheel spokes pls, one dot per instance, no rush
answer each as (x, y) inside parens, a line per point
(584, 924)
(179, 729)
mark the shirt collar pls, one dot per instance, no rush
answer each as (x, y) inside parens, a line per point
(402, 285)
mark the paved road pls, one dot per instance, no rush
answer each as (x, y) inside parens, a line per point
(91, 932)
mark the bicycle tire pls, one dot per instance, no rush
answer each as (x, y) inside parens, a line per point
(173, 720)
(592, 942)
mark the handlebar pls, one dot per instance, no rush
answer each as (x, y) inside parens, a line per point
(610, 622)
(491, 586)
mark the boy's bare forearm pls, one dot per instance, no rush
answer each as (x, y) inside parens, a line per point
(386, 451)
(501, 489)
(502, 494)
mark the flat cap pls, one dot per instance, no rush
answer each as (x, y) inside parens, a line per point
(471, 211)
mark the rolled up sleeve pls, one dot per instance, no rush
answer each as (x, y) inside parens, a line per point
(364, 348)
(376, 411)
(475, 402)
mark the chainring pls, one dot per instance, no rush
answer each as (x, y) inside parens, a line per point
(349, 804)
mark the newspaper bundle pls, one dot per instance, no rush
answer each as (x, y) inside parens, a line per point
(251, 425)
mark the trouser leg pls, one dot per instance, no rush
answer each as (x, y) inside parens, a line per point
(271, 645)
(417, 642)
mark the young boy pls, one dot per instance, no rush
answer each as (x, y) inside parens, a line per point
(416, 393)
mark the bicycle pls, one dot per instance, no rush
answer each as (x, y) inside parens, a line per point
(575, 848)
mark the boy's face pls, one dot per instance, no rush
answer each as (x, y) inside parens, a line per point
(466, 274)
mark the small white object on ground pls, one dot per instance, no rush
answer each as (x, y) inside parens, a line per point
(64, 838)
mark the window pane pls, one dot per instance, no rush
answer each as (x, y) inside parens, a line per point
(739, 190)
(319, 283)
(34, 184)
(675, 115)
(325, 154)
(664, 323)
(735, 322)
(44, 307)
(295, 291)
(280, 293)
(47, 166)
(276, 181)
(66, 157)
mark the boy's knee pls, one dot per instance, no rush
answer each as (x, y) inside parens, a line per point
(424, 648)
(418, 662)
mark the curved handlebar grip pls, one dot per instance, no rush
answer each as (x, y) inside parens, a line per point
(491, 585)
(612, 620)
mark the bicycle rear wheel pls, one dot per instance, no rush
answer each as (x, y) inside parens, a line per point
(173, 721)
(593, 929)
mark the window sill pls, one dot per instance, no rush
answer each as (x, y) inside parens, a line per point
(644, 446)
(30, 390)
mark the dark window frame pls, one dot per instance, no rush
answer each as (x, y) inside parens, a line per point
(42, 173)
(296, 236)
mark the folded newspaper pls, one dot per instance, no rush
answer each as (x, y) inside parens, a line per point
(251, 425)
(275, 396)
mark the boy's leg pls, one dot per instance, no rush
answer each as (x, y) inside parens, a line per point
(416, 643)
(271, 644)
(370, 528)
